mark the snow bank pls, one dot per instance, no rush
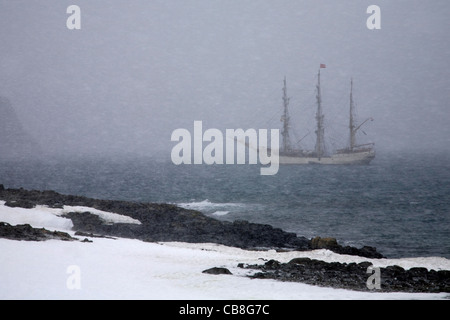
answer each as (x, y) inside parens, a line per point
(435, 263)
(107, 217)
(43, 216)
(132, 269)
(39, 217)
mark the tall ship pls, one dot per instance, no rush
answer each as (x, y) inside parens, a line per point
(353, 154)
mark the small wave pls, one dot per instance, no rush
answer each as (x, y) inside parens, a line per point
(208, 205)
(221, 213)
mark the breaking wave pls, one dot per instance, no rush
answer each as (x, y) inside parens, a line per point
(208, 205)
(215, 208)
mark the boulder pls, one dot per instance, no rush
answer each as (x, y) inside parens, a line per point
(324, 243)
(217, 270)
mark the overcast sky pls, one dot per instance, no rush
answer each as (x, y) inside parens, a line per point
(137, 70)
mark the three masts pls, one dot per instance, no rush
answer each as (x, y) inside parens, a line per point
(353, 154)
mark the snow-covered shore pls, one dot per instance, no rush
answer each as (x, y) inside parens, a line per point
(132, 269)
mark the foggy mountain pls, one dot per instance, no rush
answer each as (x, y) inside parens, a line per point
(14, 139)
(137, 70)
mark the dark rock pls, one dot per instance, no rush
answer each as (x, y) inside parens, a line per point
(369, 252)
(353, 276)
(332, 245)
(395, 269)
(300, 261)
(324, 243)
(363, 265)
(91, 235)
(418, 272)
(28, 233)
(217, 270)
(20, 203)
(84, 221)
(272, 264)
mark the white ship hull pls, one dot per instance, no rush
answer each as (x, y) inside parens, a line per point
(354, 158)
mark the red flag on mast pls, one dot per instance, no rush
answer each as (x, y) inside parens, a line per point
(323, 66)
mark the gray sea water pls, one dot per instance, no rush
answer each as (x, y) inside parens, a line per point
(399, 203)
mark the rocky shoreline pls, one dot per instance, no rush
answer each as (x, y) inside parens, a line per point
(353, 276)
(165, 222)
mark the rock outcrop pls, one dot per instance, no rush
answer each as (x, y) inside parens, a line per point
(166, 222)
(353, 276)
(159, 222)
(332, 244)
(28, 233)
(217, 270)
